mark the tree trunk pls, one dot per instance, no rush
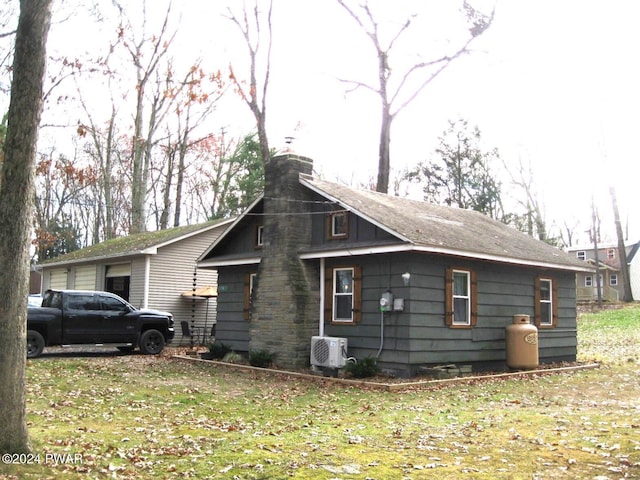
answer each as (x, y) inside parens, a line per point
(384, 158)
(624, 266)
(16, 208)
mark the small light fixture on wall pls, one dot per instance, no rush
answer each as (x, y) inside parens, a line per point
(405, 278)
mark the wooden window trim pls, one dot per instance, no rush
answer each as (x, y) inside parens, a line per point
(554, 303)
(449, 298)
(357, 295)
(329, 225)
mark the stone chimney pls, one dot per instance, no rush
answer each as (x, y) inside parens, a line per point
(286, 296)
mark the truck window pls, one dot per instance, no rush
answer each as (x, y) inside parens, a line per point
(82, 302)
(113, 304)
(52, 299)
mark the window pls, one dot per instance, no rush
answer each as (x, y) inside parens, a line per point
(611, 253)
(259, 236)
(338, 225)
(113, 304)
(581, 254)
(342, 294)
(546, 302)
(249, 283)
(461, 298)
(588, 281)
(613, 279)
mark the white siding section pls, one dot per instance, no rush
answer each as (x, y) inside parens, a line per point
(84, 278)
(172, 274)
(136, 288)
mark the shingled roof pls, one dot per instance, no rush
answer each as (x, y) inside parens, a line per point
(137, 244)
(421, 226)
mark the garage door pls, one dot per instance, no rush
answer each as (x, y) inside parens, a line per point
(119, 270)
(85, 278)
(58, 279)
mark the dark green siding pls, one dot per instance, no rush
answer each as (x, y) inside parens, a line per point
(419, 336)
(232, 328)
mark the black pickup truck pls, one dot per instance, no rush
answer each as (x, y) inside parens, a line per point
(75, 317)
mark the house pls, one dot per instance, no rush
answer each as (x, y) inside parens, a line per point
(611, 283)
(311, 257)
(150, 270)
(633, 259)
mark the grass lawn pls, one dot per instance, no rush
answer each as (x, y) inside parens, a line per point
(131, 416)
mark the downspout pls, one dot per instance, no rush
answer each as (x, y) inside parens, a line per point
(322, 294)
(147, 276)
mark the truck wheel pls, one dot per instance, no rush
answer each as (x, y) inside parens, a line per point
(151, 342)
(35, 344)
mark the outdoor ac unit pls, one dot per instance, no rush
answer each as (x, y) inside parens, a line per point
(328, 351)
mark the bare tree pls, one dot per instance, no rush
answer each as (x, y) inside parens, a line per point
(146, 53)
(253, 27)
(624, 266)
(533, 221)
(394, 99)
(16, 192)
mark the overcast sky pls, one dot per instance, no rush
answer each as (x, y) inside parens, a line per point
(553, 82)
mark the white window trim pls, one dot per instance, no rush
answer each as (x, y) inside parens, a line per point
(588, 281)
(549, 302)
(581, 255)
(335, 295)
(613, 279)
(334, 232)
(260, 235)
(467, 297)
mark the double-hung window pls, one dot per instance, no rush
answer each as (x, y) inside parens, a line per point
(546, 304)
(461, 298)
(342, 294)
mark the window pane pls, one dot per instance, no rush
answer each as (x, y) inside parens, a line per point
(545, 313)
(339, 226)
(460, 284)
(343, 307)
(460, 311)
(344, 281)
(545, 290)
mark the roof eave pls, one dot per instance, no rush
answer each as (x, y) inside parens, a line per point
(347, 252)
(228, 262)
(75, 261)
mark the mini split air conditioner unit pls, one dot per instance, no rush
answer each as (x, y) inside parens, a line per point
(329, 352)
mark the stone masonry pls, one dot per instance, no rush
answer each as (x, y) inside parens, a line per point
(286, 296)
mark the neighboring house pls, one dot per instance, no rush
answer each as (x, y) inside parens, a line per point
(312, 257)
(633, 259)
(150, 270)
(611, 284)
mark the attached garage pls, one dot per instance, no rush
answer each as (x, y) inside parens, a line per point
(150, 270)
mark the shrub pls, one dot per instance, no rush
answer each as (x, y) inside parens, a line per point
(367, 367)
(233, 357)
(261, 358)
(219, 350)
